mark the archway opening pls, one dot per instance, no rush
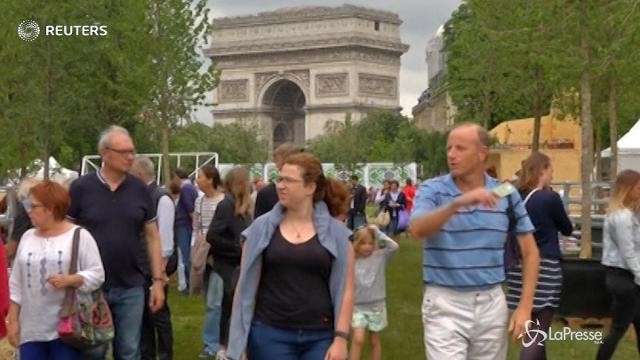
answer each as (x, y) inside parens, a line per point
(285, 103)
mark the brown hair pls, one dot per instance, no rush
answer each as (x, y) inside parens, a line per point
(625, 181)
(532, 168)
(237, 183)
(333, 192)
(286, 149)
(53, 196)
(210, 172)
(361, 235)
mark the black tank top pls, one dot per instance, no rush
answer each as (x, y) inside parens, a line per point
(294, 285)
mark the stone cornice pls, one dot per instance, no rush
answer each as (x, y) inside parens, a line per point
(306, 13)
(233, 113)
(302, 44)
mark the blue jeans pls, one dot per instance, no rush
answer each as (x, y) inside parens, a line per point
(44, 350)
(183, 235)
(354, 221)
(213, 297)
(268, 343)
(127, 306)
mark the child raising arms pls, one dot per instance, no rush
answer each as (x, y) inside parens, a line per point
(373, 249)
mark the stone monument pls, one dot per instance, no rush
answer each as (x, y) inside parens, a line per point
(293, 70)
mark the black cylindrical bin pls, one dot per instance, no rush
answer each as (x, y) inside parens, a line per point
(584, 293)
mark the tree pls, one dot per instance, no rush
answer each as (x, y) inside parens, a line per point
(236, 143)
(178, 27)
(483, 77)
(381, 136)
(60, 92)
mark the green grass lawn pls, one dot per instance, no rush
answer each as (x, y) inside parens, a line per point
(402, 339)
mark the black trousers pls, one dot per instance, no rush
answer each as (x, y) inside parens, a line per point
(229, 274)
(626, 310)
(156, 341)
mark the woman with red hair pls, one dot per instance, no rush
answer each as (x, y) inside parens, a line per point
(40, 275)
(294, 296)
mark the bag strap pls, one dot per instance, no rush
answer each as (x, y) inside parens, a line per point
(529, 195)
(511, 214)
(68, 303)
(73, 264)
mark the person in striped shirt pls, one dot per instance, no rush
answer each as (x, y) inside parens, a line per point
(464, 224)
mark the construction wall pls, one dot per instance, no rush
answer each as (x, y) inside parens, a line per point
(566, 162)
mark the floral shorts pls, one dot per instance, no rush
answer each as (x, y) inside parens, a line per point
(370, 317)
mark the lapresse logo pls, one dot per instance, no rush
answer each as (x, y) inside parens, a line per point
(535, 336)
(29, 30)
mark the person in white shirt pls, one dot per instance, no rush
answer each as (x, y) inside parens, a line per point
(208, 181)
(40, 275)
(157, 331)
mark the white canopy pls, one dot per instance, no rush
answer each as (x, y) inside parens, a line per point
(629, 143)
(57, 173)
(628, 149)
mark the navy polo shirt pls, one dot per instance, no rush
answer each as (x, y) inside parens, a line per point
(115, 219)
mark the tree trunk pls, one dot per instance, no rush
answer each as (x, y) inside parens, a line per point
(596, 154)
(537, 110)
(47, 118)
(613, 129)
(166, 167)
(587, 137)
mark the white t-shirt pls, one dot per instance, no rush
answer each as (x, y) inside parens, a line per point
(38, 258)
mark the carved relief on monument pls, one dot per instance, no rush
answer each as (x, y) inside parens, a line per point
(377, 85)
(263, 78)
(234, 90)
(309, 56)
(336, 84)
(303, 76)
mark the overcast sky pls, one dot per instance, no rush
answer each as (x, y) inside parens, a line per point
(421, 19)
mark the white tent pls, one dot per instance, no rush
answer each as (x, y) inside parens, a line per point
(57, 173)
(628, 149)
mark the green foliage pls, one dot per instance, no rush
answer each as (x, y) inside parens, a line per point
(58, 93)
(235, 143)
(381, 137)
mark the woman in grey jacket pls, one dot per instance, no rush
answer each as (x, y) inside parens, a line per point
(294, 296)
(621, 256)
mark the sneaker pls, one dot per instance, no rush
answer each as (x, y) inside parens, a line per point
(207, 355)
(221, 355)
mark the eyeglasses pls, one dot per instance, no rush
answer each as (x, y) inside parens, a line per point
(29, 205)
(287, 180)
(131, 152)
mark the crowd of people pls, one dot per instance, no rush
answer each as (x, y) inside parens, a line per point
(295, 268)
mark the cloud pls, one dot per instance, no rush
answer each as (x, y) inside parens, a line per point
(421, 19)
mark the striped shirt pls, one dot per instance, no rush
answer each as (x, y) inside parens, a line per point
(468, 252)
(204, 209)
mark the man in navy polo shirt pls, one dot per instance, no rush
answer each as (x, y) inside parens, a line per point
(463, 224)
(116, 208)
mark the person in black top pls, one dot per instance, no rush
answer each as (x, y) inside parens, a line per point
(116, 208)
(231, 217)
(267, 197)
(548, 216)
(357, 216)
(295, 315)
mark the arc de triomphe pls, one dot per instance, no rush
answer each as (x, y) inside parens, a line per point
(293, 70)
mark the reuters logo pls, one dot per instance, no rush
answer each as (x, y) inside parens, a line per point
(28, 30)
